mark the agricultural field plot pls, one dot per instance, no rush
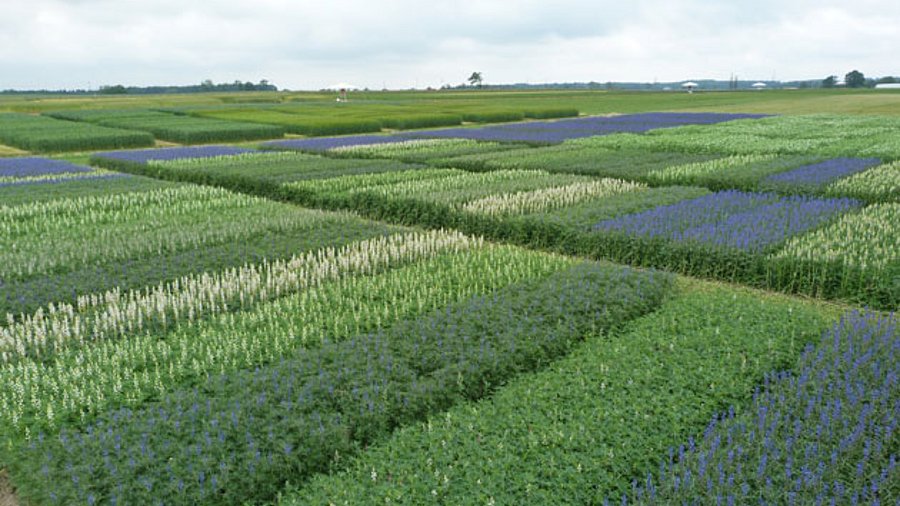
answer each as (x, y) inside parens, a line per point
(731, 235)
(174, 128)
(823, 135)
(261, 173)
(179, 331)
(628, 405)
(71, 239)
(400, 147)
(316, 119)
(28, 170)
(554, 132)
(306, 348)
(748, 155)
(41, 134)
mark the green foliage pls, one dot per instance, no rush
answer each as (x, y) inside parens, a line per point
(131, 243)
(422, 121)
(631, 164)
(261, 174)
(46, 135)
(745, 172)
(295, 124)
(815, 135)
(175, 128)
(855, 79)
(53, 237)
(372, 382)
(421, 150)
(488, 116)
(322, 127)
(583, 428)
(234, 321)
(74, 188)
(551, 113)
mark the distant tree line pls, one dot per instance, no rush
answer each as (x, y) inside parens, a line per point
(205, 86)
(118, 89)
(856, 79)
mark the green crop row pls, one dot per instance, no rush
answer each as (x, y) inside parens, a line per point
(878, 184)
(257, 173)
(200, 326)
(295, 124)
(421, 121)
(818, 135)
(324, 402)
(139, 234)
(420, 150)
(437, 199)
(646, 159)
(43, 135)
(628, 164)
(584, 428)
(14, 195)
(49, 237)
(744, 172)
(339, 119)
(175, 128)
(858, 254)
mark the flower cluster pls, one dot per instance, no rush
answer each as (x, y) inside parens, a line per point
(546, 199)
(697, 171)
(116, 314)
(36, 166)
(824, 435)
(732, 219)
(241, 434)
(820, 174)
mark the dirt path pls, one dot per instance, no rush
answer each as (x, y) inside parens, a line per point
(7, 496)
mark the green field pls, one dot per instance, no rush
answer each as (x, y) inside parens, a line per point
(695, 313)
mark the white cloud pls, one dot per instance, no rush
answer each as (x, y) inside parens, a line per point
(402, 43)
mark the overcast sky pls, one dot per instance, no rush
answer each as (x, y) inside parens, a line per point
(300, 44)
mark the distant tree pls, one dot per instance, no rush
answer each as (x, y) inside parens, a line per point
(829, 82)
(113, 90)
(855, 79)
(207, 85)
(476, 79)
(886, 80)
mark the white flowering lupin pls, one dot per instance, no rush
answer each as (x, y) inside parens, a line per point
(80, 380)
(38, 237)
(865, 239)
(546, 199)
(691, 171)
(399, 149)
(361, 182)
(113, 313)
(878, 183)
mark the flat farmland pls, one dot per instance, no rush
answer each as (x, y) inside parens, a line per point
(662, 299)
